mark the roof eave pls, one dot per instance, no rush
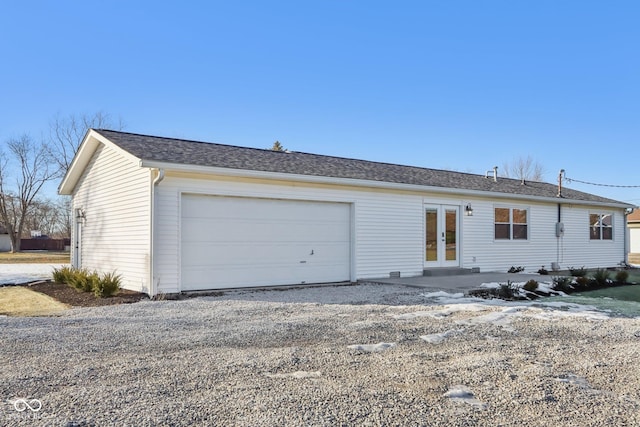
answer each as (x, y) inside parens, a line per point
(92, 139)
(79, 162)
(177, 167)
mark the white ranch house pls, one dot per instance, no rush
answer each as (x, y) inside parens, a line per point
(172, 215)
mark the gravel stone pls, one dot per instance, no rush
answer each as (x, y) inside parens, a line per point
(283, 358)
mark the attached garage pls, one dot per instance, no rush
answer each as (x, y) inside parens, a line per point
(229, 242)
(172, 215)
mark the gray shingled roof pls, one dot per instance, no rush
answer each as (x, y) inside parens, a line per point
(185, 152)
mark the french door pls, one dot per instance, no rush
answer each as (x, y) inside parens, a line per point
(441, 226)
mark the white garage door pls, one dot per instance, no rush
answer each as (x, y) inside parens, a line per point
(230, 242)
(634, 237)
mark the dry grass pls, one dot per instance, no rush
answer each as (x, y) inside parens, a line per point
(42, 257)
(20, 301)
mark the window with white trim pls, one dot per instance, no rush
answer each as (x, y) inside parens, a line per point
(511, 224)
(600, 226)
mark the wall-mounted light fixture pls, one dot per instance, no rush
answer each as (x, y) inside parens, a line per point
(468, 210)
(80, 215)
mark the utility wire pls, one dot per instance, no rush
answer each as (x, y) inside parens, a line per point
(601, 185)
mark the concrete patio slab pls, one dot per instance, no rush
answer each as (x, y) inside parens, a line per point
(460, 283)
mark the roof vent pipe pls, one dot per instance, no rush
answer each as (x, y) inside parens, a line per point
(495, 173)
(560, 176)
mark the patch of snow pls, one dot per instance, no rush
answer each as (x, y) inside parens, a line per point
(490, 285)
(500, 318)
(370, 348)
(447, 311)
(438, 338)
(462, 394)
(443, 294)
(556, 310)
(546, 287)
(574, 380)
(502, 312)
(13, 274)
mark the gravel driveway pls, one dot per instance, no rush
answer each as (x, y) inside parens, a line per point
(350, 355)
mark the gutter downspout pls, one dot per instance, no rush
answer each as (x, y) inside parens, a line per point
(559, 248)
(627, 237)
(152, 285)
(559, 237)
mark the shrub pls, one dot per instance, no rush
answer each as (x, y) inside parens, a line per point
(515, 269)
(543, 271)
(63, 274)
(578, 272)
(83, 280)
(622, 276)
(102, 286)
(582, 282)
(508, 290)
(562, 284)
(107, 285)
(531, 285)
(601, 276)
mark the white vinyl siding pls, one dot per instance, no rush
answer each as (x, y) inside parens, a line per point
(387, 233)
(388, 228)
(580, 250)
(114, 194)
(574, 249)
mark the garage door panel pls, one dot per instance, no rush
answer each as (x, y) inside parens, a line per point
(236, 242)
(206, 229)
(203, 253)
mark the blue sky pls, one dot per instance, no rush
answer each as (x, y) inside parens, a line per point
(463, 85)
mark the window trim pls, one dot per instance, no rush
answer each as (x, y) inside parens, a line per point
(601, 214)
(511, 223)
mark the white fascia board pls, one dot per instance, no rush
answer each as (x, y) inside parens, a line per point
(87, 147)
(364, 183)
(79, 162)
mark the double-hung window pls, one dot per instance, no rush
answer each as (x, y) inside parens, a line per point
(511, 224)
(600, 226)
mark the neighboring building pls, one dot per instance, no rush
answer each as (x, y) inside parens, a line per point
(172, 215)
(633, 222)
(5, 240)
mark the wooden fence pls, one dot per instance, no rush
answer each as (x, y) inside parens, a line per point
(44, 244)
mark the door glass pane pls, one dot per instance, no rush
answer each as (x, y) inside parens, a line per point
(432, 235)
(450, 233)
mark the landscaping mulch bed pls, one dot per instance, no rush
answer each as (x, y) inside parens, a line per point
(68, 295)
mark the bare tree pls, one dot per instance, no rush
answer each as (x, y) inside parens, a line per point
(64, 216)
(66, 134)
(50, 217)
(524, 168)
(29, 163)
